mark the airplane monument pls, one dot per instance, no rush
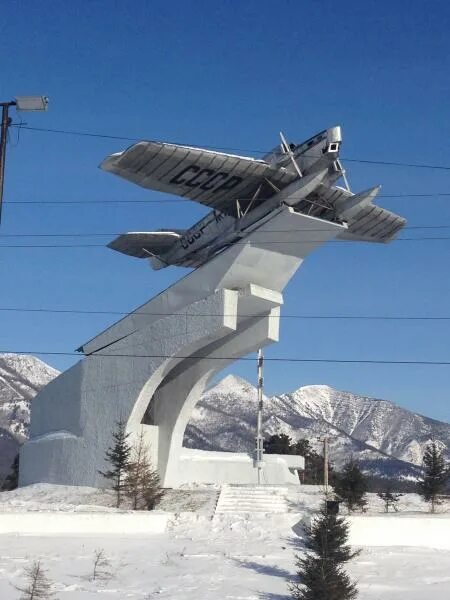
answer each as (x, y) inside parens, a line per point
(151, 367)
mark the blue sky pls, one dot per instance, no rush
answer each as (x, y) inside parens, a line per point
(232, 74)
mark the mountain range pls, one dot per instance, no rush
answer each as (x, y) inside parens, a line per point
(21, 378)
(386, 438)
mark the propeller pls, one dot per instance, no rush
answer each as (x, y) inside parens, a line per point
(287, 150)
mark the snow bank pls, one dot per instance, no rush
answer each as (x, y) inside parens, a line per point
(432, 531)
(49, 497)
(51, 523)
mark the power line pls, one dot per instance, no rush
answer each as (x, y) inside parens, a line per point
(268, 242)
(110, 234)
(184, 200)
(130, 139)
(282, 316)
(88, 202)
(243, 358)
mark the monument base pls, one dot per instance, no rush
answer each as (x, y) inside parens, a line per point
(150, 368)
(204, 466)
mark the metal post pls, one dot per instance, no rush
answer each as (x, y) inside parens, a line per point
(26, 103)
(325, 464)
(3, 138)
(259, 436)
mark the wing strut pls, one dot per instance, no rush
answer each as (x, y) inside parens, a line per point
(287, 150)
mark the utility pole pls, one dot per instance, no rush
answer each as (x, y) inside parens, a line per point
(325, 440)
(259, 437)
(6, 121)
(22, 103)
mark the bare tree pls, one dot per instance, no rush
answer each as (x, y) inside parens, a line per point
(101, 565)
(143, 483)
(38, 585)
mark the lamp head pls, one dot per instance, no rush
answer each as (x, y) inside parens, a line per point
(31, 103)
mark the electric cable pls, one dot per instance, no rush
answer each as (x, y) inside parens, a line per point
(234, 358)
(184, 200)
(131, 139)
(268, 242)
(111, 234)
(137, 312)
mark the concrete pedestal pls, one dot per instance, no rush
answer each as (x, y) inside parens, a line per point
(150, 368)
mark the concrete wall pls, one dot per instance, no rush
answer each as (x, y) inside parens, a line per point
(203, 466)
(426, 531)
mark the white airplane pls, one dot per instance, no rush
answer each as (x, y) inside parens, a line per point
(244, 192)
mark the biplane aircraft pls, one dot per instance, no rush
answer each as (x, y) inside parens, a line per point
(243, 192)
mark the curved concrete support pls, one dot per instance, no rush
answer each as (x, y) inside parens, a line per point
(150, 368)
(184, 386)
(159, 371)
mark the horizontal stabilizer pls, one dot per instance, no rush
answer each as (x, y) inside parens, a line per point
(366, 221)
(145, 244)
(373, 224)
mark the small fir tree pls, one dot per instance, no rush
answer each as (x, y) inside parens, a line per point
(38, 586)
(321, 575)
(12, 479)
(327, 537)
(351, 486)
(118, 456)
(322, 580)
(389, 497)
(143, 482)
(435, 476)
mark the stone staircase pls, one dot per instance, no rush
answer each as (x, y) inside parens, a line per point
(250, 499)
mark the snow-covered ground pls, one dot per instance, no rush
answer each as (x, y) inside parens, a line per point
(200, 557)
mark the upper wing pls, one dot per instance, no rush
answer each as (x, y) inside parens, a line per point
(211, 178)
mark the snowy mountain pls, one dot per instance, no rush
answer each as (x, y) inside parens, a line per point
(386, 438)
(21, 377)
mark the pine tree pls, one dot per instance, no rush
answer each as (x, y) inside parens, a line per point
(313, 472)
(327, 537)
(143, 483)
(321, 575)
(12, 480)
(118, 456)
(435, 477)
(322, 580)
(351, 486)
(278, 444)
(38, 586)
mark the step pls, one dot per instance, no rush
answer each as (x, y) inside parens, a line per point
(252, 499)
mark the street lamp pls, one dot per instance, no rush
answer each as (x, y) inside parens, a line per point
(22, 103)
